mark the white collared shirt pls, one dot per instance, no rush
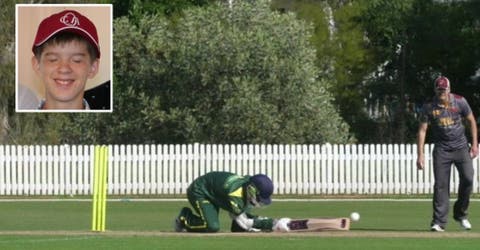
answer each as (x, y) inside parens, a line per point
(85, 104)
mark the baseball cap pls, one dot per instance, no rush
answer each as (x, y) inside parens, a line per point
(67, 21)
(442, 83)
(264, 186)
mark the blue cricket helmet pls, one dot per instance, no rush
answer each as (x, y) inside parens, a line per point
(264, 186)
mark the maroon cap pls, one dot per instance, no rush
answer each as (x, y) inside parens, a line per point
(67, 20)
(442, 83)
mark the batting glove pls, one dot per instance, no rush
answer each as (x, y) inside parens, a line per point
(281, 225)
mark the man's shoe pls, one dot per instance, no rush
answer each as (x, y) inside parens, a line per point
(465, 224)
(437, 228)
(178, 225)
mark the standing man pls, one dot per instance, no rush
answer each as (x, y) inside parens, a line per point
(233, 193)
(445, 114)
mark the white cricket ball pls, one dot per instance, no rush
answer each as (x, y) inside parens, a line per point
(355, 216)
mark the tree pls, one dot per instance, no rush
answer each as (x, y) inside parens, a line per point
(389, 31)
(135, 9)
(253, 76)
(418, 40)
(219, 74)
(7, 68)
(342, 55)
(446, 42)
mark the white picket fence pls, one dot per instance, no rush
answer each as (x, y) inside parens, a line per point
(168, 169)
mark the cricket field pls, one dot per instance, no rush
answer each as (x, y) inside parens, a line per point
(148, 224)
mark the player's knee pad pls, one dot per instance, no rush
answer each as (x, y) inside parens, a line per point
(213, 227)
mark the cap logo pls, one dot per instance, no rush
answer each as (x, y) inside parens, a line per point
(442, 83)
(70, 19)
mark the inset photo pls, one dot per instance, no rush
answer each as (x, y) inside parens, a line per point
(64, 58)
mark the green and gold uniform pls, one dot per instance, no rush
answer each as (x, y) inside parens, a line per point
(215, 190)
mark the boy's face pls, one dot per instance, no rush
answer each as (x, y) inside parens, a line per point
(64, 69)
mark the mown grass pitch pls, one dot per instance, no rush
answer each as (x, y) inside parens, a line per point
(384, 224)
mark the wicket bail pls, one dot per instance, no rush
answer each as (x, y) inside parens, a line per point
(100, 170)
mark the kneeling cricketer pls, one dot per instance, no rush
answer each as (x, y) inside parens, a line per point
(237, 195)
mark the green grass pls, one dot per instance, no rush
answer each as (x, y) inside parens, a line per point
(208, 243)
(394, 217)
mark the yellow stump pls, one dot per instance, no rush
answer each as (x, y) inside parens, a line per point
(100, 173)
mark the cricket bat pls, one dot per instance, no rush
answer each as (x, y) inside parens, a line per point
(319, 224)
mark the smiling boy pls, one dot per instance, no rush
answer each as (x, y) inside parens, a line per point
(66, 54)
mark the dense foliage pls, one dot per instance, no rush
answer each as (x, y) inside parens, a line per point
(239, 74)
(385, 54)
(286, 71)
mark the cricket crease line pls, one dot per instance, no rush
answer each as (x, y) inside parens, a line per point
(184, 199)
(349, 234)
(66, 238)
